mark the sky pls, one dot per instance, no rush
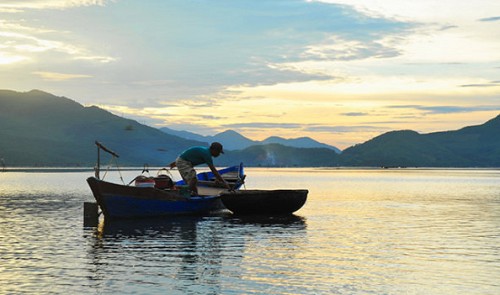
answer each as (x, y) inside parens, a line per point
(340, 72)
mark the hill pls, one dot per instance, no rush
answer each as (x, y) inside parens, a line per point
(301, 142)
(277, 155)
(185, 134)
(234, 141)
(474, 146)
(40, 129)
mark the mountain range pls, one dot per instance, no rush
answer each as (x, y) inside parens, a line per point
(473, 146)
(40, 129)
(234, 141)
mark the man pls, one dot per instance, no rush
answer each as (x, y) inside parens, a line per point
(195, 156)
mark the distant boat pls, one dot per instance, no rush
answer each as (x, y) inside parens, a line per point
(264, 202)
(148, 199)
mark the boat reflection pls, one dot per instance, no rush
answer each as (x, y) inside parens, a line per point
(178, 251)
(148, 227)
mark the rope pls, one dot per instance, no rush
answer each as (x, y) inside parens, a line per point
(107, 169)
(145, 169)
(117, 168)
(167, 171)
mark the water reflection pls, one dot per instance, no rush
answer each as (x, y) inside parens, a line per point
(285, 221)
(189, 254)
(149, 227)
(361, 232)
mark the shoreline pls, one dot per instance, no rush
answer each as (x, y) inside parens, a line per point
(91, 169)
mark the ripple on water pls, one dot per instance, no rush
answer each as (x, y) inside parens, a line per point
(359, 233)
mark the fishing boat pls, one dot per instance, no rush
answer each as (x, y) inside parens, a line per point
(151, 198)
(264, 202)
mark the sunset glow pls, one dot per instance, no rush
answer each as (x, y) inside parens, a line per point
(340, 72)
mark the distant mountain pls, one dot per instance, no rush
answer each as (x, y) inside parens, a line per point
(474, 146)
(277, 155)
(185, 134)
(301, 142)
(232, 140)
(40, 129)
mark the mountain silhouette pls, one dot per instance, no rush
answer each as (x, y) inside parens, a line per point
(40, 129)
(473, 146)
(234, 141)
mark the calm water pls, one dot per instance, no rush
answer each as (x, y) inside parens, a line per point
(360, 232)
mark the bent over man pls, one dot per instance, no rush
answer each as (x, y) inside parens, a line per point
(194, 156)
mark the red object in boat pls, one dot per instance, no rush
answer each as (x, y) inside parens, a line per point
(143, 181)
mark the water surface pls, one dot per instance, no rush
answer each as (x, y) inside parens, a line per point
(401, 231)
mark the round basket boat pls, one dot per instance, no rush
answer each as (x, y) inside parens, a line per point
(264, 202)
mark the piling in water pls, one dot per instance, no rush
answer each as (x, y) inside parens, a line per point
(90, 214)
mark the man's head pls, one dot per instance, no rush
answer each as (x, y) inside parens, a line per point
(216, 149)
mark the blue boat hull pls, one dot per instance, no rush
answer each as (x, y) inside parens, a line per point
(124, 201)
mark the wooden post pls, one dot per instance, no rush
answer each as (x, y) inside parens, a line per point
(90, 214)
(98, 164)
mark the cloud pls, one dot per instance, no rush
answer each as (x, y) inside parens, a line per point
(265, 125)
(355, 114)
(31, 43)
(337, 48)
(448, 109)
(214, 45)
(16, 6)
(490, 19)
(184, 50)
(455, 109)
(345, 129)
(7, 58)
(490, 84)
(211, 117)
(409, 106)
(448, 27)
(307, 127)
(59, 76)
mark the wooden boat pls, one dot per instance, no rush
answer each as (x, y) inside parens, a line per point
(145, 200)
(130, 201)
(264, 202)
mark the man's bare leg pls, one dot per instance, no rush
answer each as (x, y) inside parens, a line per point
(193, 186)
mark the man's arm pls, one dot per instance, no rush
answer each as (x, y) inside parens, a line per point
(218, 177)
